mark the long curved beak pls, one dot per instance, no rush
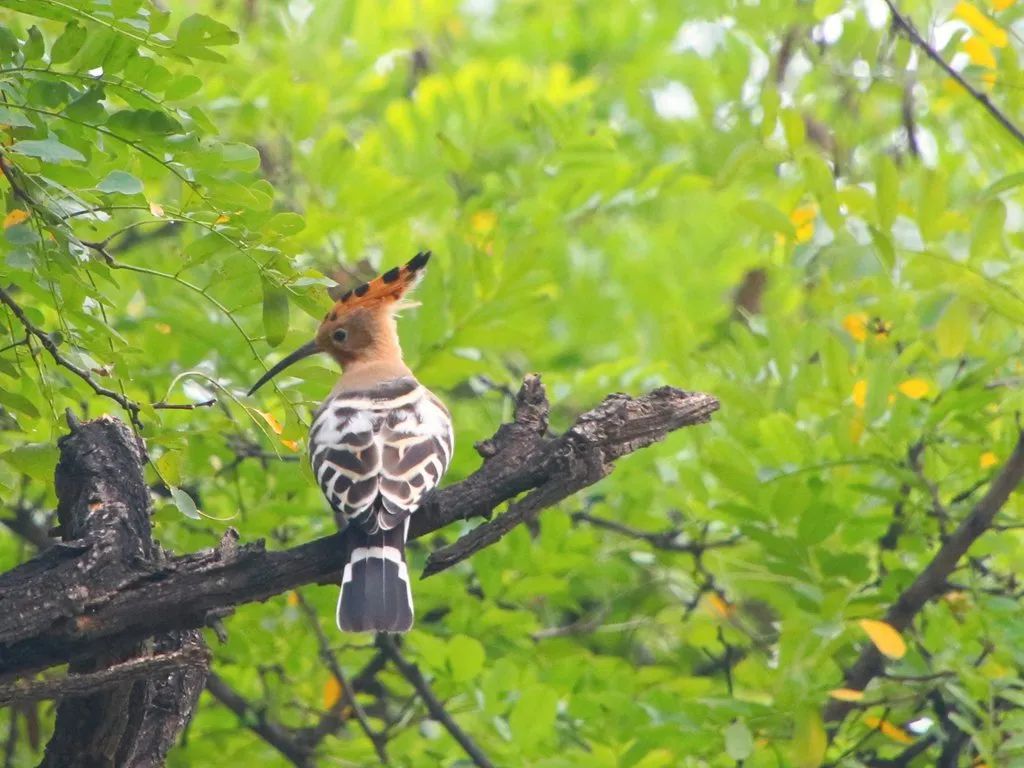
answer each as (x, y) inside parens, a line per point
(307, 349)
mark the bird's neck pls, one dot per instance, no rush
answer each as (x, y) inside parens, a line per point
(367, 373)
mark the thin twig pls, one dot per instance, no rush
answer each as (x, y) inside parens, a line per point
(437, 711)
(378, 740)
(667, 540)
(130, 406)
(908, 27)
(255, 718)
(162, 406)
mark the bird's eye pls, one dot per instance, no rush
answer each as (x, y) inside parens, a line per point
(339, 335)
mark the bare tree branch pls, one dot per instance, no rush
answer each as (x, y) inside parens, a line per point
(282, 739)
(561, 466)
(128, 720)
(41, 626)
(73, 685)
(933, 580)
(671, 541)
(437, 711)
(378, 740)
(903, 23)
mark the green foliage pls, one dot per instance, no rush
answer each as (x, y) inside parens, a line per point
(598, 182)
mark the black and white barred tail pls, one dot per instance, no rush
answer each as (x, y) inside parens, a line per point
(375, 592)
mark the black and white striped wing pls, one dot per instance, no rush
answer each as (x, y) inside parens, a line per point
(345, 453)
(375, 455)
(416, 449)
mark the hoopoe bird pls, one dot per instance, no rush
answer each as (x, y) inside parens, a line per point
(378, 444)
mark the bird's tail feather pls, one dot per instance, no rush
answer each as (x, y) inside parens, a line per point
(375, 594)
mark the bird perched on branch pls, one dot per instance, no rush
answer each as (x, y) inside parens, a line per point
(378, 444)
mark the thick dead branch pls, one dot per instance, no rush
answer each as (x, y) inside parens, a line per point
(71, 686)
(561, 466)
(126, 718)
(49, 612)
(933, 580)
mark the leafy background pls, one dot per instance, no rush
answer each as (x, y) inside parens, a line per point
(779, 203)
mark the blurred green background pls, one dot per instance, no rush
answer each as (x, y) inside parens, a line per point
(783, 204)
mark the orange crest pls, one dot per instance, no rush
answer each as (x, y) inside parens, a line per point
(388, 288)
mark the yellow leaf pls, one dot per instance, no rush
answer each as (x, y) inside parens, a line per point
(987, 460)
(483, 222)
(292, 599)
(856, 326)
(886, 639)
(719, 606)
(803, 221)
(291, 445)
(272, 422)
(156, 209)
(222, 219)
(1002, 5)
(332, 692)
(15, 217)
(982, 24)
(979, 52)
(915, 389)
(860, 392)
(894, 732)
(846, 694)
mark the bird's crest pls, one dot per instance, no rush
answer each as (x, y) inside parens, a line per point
(385, 289)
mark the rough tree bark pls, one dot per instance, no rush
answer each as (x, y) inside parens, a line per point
(107, 596)
(103, 512)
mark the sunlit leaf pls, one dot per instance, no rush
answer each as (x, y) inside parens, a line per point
(185, 504)
(15, 217)
(886, 639)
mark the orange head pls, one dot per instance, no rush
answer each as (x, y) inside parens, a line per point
(361, 325)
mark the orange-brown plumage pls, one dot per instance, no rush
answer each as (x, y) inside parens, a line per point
(383, 290)
(359, 331)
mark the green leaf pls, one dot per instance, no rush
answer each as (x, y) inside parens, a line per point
(987, 234)
(18, 403)
(37, 460)
(767, 216)
(68, 44)
(275, 313)
(184, 503)
(887, 186)
(34, 46)
(119, 182)
(198, 32)
(809, 739)
(286, 224)
(1004, 184)
(533, 717)
(793, 127)
(182, 86)
(169, 465)
(739, 742)
(14, 118)
(953, 329)
(466, 658)
(49, 150)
